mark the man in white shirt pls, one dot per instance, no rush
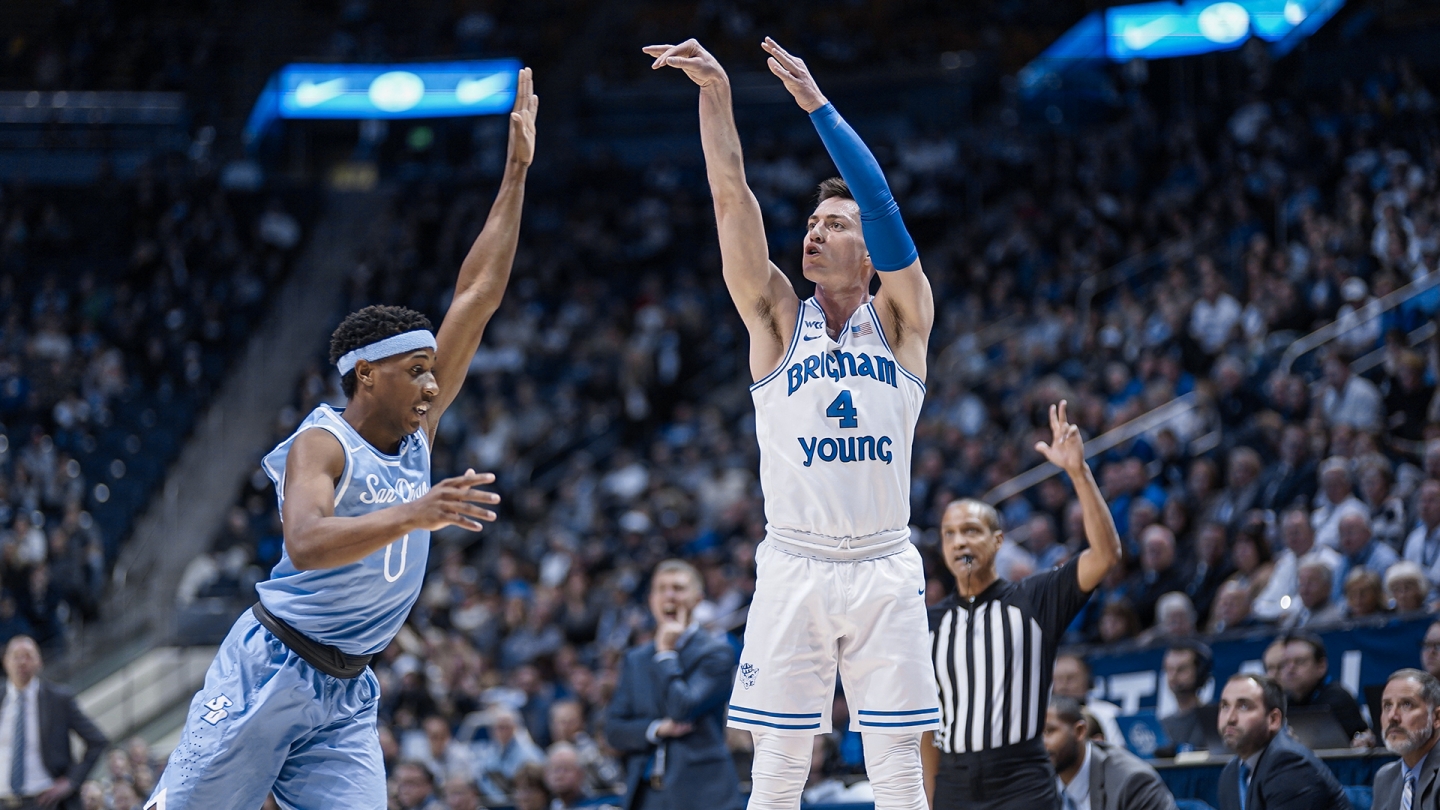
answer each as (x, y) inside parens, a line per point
(1422, 546)
(36, 769)
(1350, 400)
(1281, 596)
(1215, 314)
(1335, 500)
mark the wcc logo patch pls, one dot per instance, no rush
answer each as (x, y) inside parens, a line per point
(748, 673)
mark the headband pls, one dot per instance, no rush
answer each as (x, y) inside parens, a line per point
(389, 347)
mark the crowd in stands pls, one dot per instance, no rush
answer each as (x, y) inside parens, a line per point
(120, 307)
(610, 399)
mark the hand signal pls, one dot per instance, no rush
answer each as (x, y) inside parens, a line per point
(1066, 450)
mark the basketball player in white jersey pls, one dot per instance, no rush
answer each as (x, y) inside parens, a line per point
(839, 381)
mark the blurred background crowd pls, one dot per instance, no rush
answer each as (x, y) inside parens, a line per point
(1158, 258)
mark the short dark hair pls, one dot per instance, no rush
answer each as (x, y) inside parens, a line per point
(1204, 658)
(1084, 664)
(369, 325)
(1313, 641)
(833, 187)
(1067, 709)
(1272, 696)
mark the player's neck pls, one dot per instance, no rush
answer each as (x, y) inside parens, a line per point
(365, 417)
(838, 304)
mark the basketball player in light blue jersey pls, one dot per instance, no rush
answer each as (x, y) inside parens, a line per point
(839, 383)
(289, 704)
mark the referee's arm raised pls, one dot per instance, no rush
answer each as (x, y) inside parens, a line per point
(1067, 452)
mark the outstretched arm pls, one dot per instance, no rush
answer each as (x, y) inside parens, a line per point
(905, 303)
(764, 297)
(1067, 452)
(316, 539)
(486, 268)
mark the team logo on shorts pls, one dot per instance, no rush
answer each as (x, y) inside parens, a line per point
(748, 672)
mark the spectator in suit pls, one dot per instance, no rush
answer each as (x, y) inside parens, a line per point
(1093, 775)
(1336, 500)
(668, 713)
(1303, 676)
(36, 768)
(1359, 549)
(1422, 546)
(1316, 590)
(1159, 573)
(1410, 719)
(1270, 769)
(1292, 477)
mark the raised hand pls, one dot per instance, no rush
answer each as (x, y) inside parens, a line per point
(453, 502)
(1065, 450)
(796, 76)
(669, 630)
(698, 63)
(522, 119)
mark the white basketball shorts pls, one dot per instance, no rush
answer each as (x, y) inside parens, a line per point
(812, 617)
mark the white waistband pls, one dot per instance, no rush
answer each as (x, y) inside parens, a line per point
(843, 549)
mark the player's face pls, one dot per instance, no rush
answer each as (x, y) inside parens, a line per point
(1430, 649)
(965, 533)
(404, 386)
(834, 245)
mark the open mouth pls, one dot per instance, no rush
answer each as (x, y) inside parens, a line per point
(422, 409)
(812, 251)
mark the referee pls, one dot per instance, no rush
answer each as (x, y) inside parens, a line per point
(993, 644)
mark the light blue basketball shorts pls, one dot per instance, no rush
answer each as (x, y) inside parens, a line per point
(268, 721)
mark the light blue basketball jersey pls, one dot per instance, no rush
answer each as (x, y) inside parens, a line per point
(359, 607)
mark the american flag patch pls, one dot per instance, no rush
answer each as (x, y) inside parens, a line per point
(863, 329)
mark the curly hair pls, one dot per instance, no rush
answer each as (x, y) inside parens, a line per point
(369, 325)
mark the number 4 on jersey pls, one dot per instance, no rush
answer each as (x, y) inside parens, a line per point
(843, 408)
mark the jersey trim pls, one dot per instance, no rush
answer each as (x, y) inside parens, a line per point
(880, 330)
(280, 479)
(794, 341)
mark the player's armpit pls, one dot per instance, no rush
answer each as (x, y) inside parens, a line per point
(906, 307)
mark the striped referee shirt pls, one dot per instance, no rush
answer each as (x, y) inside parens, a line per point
(994, 657)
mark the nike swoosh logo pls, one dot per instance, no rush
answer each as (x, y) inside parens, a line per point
(922, 591)
(1140, 37)
(472, 91)
(309, 94)
(811, 337)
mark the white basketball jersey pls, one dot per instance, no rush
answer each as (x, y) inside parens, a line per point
(835, 423)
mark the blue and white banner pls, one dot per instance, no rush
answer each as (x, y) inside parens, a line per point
(1359, 657)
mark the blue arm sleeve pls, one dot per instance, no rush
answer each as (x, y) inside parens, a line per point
(890, 245)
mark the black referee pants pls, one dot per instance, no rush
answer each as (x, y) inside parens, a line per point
(1014, 777)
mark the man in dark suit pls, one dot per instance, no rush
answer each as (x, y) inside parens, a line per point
(36, 718)
(1410, 721)
(668, 713)
(1270, 771)
(1093, 775)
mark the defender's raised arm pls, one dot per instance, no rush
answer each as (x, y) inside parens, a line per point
(904, 303)
(486, 268)
(764, 297)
